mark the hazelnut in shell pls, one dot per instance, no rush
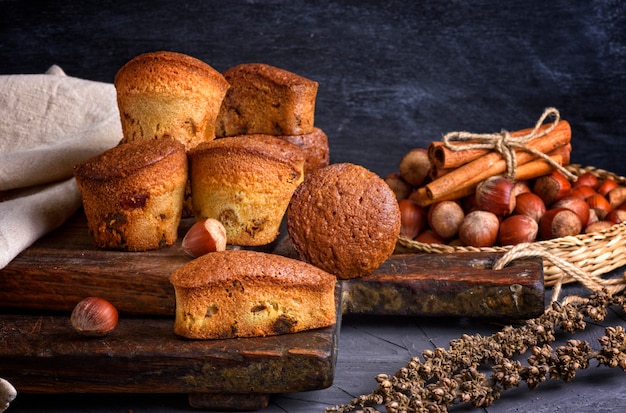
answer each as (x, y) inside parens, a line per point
(479, 229)
(496, 194)
(412, 218)
(617, 196)
(599, 204)
(559, 222)
(529, 204)
(598, 226)
(552, 187)
(586, 179)
(606, 186)
(616, 216)
(445, 217)
(206, 235)
(398, 185)
(579, 206)
(429, 237)
(583, 192)
(94, 316)
(415, 166)
(517, 229)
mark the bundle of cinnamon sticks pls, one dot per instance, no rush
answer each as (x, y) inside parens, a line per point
(455, 174)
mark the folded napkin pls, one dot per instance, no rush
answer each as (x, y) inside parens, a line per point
(48, 123)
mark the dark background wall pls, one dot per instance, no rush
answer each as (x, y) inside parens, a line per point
(393, 75)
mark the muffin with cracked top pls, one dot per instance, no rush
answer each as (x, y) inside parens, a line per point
(344, 219)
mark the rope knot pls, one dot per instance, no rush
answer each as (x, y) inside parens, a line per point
(506, 144)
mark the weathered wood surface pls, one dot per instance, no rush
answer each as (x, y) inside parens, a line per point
(64, 267)
(43, 354)
(448, 285)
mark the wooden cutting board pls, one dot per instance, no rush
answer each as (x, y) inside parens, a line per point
(63, 267)
(39, 351)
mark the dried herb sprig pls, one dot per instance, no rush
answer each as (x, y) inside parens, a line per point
(443, 377)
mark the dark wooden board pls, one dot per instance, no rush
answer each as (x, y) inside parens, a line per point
(41, 353)
(459, 285)
(64, 267)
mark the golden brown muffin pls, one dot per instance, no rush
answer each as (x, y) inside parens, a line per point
(241, 293)
(246, 183)
(315, 147)
(264, 99)
(133, 194)
(344, 219)
(167, 93)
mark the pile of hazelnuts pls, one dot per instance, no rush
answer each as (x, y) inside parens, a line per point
(503, 211)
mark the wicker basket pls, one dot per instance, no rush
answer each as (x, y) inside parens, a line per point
(596, 253)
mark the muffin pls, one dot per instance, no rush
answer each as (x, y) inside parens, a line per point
(167, 93)
(242, 293)
(245, 182)
(315, 147)
(264, 99)
(344, 219)
(133, 194)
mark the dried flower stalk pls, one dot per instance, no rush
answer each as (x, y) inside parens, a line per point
(443, 377)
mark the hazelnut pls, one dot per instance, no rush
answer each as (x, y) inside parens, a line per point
(529, 204)
(559, 222)
(616, 216)
(207, 235)
(468, 203)
(579, 206)
(479, 229)
(552, 187)
(583, 192)
(606, 186)
(586, 179)
(617, 196)
(445, 217)
(517, 229)
(495, 194)
(521, 187)
(398, 185)
(94, 316)
(429, 237)
(415, 166)
(412, 218)
(598, 226)
(593, 217)
(599, 204)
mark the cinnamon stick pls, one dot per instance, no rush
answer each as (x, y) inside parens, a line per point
(445, 158)
(472, 172)
(529, 170)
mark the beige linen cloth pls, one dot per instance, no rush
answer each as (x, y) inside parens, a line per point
(48, 123)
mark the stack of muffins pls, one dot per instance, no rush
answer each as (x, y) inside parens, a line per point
(236, 147)
(172, 108)
(268, 144)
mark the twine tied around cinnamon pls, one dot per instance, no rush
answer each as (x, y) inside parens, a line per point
(592, 282)
(505, 144)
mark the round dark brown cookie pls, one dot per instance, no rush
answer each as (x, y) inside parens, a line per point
(344, 219)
